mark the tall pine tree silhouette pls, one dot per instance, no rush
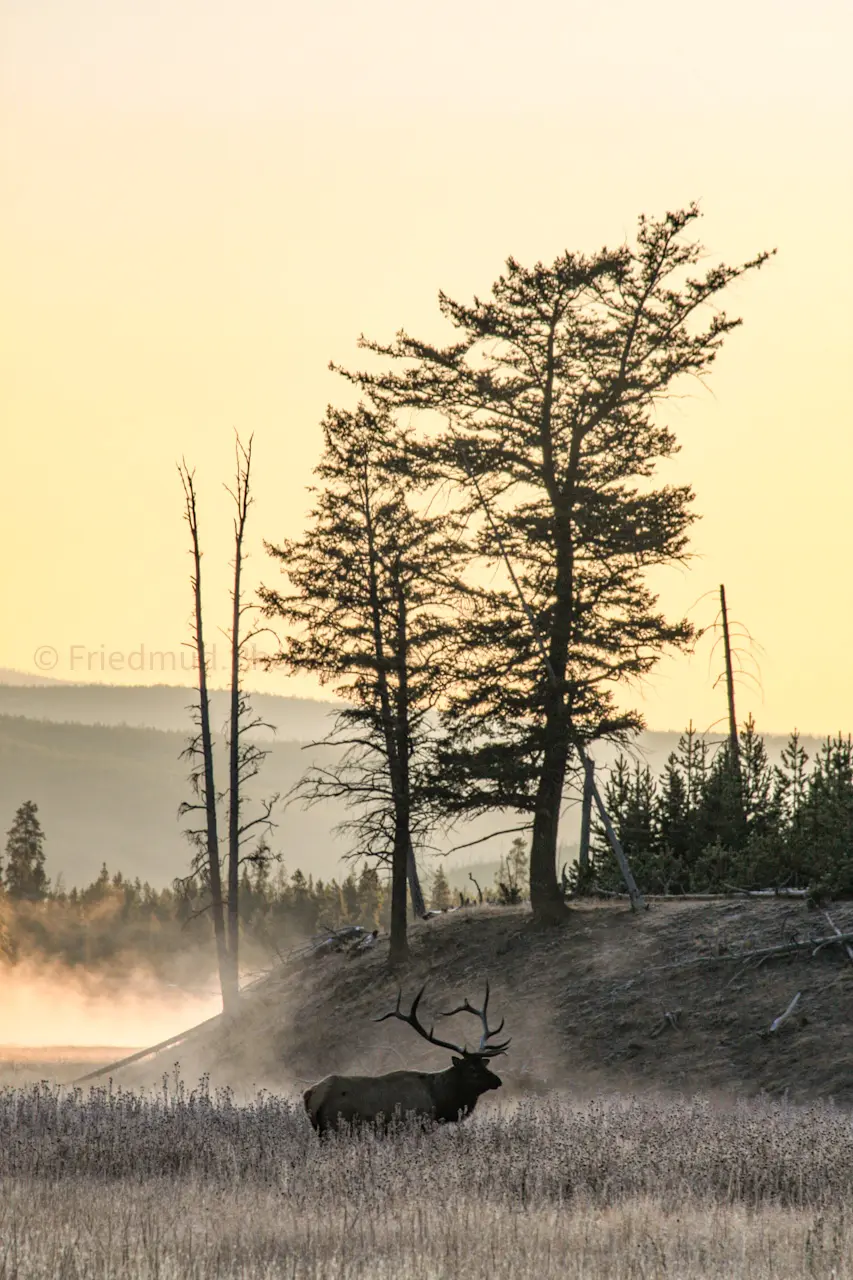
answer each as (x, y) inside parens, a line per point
(25, 873)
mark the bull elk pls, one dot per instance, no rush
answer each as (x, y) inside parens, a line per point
(437, 1096)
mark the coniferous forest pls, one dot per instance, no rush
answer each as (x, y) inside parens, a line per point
(698, 827)
(705, 826)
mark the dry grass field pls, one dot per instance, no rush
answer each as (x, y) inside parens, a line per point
(182, 1185)
(619, 1147)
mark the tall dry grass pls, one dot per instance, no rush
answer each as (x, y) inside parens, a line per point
(184, 1184)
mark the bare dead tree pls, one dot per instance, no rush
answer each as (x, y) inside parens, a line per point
(247, 839)
(200, 752)
(242, 500)
(734, 746)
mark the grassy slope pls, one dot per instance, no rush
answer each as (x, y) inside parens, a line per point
(581, 1002)
(554, 1189)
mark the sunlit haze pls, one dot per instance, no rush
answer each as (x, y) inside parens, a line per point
(204, 203)
(44, 1006)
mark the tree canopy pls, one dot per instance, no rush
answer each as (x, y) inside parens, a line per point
(550, 426)
(368, 610)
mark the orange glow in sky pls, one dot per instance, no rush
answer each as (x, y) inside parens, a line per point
(203, 202)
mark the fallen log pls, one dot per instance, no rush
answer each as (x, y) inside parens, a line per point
(783, 1017)
(146, 1053)
(787, 948)
(767, 893)
(171, 1043)
(837, 931)
(700, 897)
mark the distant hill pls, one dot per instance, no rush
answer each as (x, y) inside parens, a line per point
(110, 793)
(158, 707)
(9, 675)
(102, 763)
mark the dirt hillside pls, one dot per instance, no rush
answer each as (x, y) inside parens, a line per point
(585, 1002)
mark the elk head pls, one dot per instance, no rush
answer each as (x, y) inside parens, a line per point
(469, 1074)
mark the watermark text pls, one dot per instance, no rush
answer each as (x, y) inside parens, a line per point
(83, 660)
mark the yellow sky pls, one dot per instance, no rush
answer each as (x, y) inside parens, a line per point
(204, 202)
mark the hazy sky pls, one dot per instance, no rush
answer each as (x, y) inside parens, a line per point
(204, 202)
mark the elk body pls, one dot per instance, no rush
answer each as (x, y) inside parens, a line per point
(437, 1096)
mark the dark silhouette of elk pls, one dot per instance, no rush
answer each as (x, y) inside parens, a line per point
(429, 1096)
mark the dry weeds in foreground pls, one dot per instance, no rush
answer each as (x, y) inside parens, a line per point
(192, 1185)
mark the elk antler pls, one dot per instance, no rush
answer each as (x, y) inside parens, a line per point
(411, 1018)
(485, 1050)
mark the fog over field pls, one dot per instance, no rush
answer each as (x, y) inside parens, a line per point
(48, 1005)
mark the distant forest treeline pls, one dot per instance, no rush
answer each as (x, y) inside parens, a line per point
(165, 707)
(116, 920)
(695, 828)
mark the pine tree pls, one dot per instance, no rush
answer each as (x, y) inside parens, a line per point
(441, 897)
(368, 610)
(640, 820)
(632, 801)
(691, 757)
(760, 811)
(720, 816)
(304, 907)
(369, 896)
(349, 894)
(551, 392)
(25, 873)
(792, 780)
(675, 815)
(511, 879)
(826, 832)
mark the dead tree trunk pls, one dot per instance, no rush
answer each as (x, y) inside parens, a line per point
(203, 777)
(734, 745)
(616, 845)
(586, 820)
(242, 502)
(415, 890)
